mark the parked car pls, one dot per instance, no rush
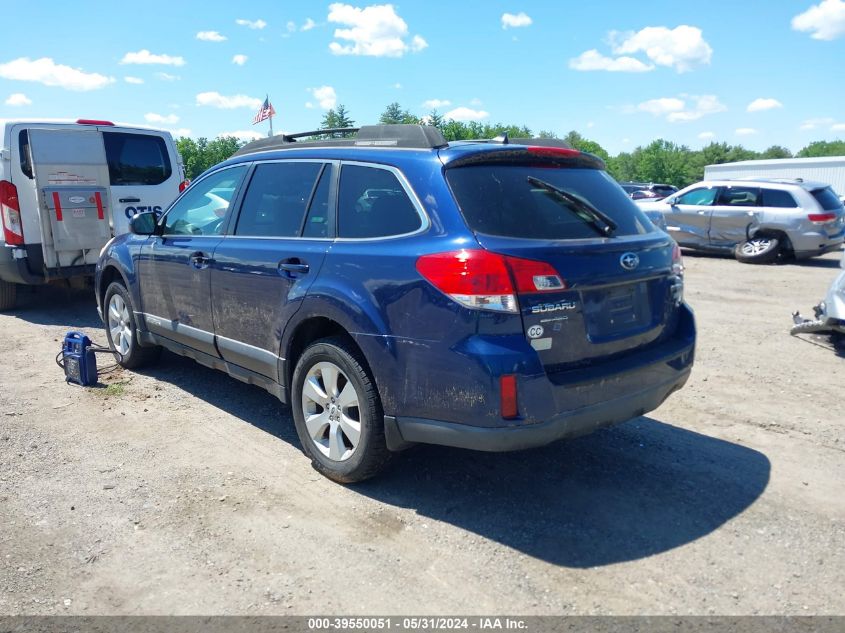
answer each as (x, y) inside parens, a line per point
(647, 190)
(756, 220)
(829, 315)
(398, 289)
(67, 187)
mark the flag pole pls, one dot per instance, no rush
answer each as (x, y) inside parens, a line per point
(270, 117)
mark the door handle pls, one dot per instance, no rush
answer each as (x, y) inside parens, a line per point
(200, 260)
(130, 200)
(293, 266)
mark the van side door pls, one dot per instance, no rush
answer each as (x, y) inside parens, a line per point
(262, 270)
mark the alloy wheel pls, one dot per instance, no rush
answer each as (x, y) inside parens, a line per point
(120, 325)
(331, 411)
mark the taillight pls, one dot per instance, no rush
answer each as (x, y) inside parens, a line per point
(821, 218)
(553, 152)
(10, 213)
(507, 396)
(489, 281)
(184, 185)
(677, 261)
(93, 122)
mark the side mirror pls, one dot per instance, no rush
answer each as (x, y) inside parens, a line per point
(143, 224)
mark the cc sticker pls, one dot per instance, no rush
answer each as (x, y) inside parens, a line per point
(535, 331)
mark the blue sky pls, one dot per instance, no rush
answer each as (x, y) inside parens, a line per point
(622, 73)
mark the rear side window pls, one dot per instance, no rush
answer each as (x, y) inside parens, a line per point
(518, 201)
(23, 151)
(827, 199)
(778, 198)
(739, 197)
(373, 203)
(136, 159)
(276, 199)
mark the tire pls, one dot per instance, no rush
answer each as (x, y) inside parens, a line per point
(8, 295)
(758, 250)
(122, 329)
(324, 412)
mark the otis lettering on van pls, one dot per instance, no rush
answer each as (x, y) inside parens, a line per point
(131, 212)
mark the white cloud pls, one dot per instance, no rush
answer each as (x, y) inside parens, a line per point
(253, 24)
(812, 124)
(837, 127)
(216, 100)
(244, 135)
(152, 117)
(291, 27)
(745, 131)
(376, 30)
(686, 108)
(240, 60)
(510, 20)
(398, 86)
(309, 105)
(433, 104)
(758, 105)
(211, 36)
(593, 60)
(325, 96)
(46, 71)
(466, 114)
(590, 124)
(168, 77)
(705, 136)
(18, 99)
(133, 80)
(682, 48)
(146, 57)
(825, 20)
(308, 25)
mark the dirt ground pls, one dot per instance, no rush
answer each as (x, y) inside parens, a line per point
(179, 490)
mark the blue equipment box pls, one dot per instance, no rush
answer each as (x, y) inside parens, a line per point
(79, 359)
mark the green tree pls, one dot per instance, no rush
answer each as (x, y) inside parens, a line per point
(546, 134)
(664, 161)
(435, 120)
(198, 155)
(822, 148)
(776, 151)
(337, 118)
(395, 114)
(580, 143)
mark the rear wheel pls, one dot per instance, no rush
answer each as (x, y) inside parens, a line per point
(122, 330)
(8, 295)
(758, 250)
(338, 413)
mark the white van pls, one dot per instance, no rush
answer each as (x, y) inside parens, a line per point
(66, 188)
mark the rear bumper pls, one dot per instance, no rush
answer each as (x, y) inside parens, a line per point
(30, 270)
(405, 431)
(814, 243)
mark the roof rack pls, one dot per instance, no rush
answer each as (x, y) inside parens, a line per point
(398, 135)
(503, 139)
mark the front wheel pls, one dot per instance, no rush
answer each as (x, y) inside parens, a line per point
(122, 329)
(337, 412)
(758, 250)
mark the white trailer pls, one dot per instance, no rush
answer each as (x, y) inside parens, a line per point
(829, 169)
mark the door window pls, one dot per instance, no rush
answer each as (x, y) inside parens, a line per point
(778, 198)
(373, 203)
(317, 222)
(702, 197)
(136, 159)
(275, 201)
(202, 210)
(739, 197)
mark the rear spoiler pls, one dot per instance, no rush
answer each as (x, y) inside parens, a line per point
(547, 155)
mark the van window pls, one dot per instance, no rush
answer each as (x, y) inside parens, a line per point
(136, 159)
(520, 201)
(202, 210)
(778, 198)
(275, 200)
(23, 151)
(373, 203)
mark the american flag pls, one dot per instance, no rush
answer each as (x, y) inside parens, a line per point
(265, 112)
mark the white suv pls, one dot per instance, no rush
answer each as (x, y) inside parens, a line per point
(757, 220)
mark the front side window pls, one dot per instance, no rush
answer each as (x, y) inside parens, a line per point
(739, 197)
(702, 197)
(275, 201)
(202, 210)
(373, 203)
(778, 198)
(136, 159)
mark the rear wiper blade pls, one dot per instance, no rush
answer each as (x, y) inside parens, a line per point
(598, 220)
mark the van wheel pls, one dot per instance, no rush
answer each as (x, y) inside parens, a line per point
(337, 412)
(8, 294)
(758, 250)
(122, 329)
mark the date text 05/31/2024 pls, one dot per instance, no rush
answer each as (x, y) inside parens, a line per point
(416, 623)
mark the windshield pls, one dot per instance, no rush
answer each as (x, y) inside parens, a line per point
(521, 201)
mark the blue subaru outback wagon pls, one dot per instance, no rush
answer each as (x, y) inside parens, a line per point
(395, 289)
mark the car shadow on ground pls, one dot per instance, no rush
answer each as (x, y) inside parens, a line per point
(620, 494)
(56, 304)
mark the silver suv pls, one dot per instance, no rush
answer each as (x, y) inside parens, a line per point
(757, 220)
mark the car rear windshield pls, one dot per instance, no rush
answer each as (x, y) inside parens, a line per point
(507, 200)
(827, 199)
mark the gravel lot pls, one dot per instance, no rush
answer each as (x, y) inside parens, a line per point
(179, 490)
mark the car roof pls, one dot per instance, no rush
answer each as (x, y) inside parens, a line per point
(776, 183)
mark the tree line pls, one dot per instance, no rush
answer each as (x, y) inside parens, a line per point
(660, 161)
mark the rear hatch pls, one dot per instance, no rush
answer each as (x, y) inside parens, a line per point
(832, 217)
(620, 290)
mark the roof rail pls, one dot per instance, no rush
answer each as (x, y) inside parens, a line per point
(398, 135)
(503, 139)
